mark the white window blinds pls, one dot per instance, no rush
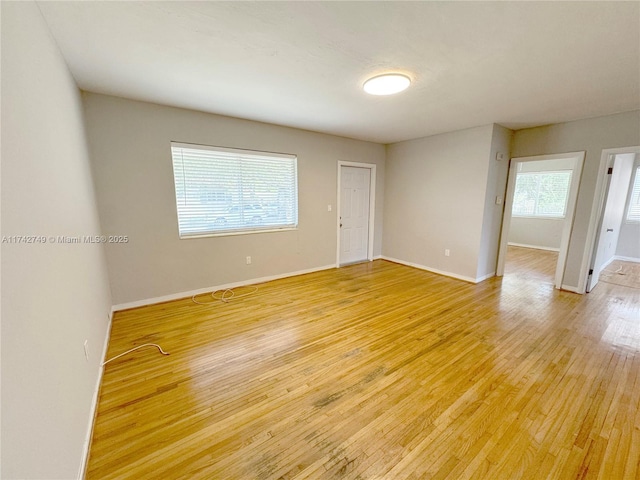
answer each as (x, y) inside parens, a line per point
(633, 212)
(541, 194)
(225, 191)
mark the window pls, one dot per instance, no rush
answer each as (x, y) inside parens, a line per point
(227, 191)
(541, 194)
(633, 212)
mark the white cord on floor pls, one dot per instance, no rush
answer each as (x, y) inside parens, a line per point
(227, 295)
(136, 348)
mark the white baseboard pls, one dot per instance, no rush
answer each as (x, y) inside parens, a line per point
(484, 277)
(607, 263)
(432, 270)
(94, 403)
(572, 289)
(191, 293)
(537, 247)
(627, 259)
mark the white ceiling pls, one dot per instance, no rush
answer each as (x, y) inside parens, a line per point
(302, 64)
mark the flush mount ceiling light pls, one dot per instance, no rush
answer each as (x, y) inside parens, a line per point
(387, 84)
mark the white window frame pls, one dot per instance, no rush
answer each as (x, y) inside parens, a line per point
(543, 216)
(634, 198)
(235, 200)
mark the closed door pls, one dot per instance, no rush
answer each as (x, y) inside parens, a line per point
(355, 184)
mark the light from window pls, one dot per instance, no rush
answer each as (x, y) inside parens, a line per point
(228, 191)
(633, 212)
(541, 194)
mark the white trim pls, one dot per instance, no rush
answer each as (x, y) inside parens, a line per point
(506, 219)
(540, 217)
(234, 151)
(372, 205)
(570, 210)
(485, 277)
(627, 259)
(433, 270)
(94, 404)
(237, 232)
(536, 247)
(551, 156)
(572, 289)
(191, 293)
(596, 212)
(378, 257)
(607, 263)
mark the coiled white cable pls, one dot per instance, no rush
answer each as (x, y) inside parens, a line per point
(136, 348)
(227, 294)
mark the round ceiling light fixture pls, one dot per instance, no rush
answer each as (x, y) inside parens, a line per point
(387, 84)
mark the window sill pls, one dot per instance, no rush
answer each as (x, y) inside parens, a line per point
(538, 217)
(232, 233)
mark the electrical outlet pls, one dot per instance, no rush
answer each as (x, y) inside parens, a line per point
(447, 252)
(248, 260)
(328, 208)
(86, 349)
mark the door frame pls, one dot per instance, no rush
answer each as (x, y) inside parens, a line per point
(372, 205)
(569, 216)
(597, 207)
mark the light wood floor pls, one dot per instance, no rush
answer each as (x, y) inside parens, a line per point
(531, 264)
(623, 273)
(377, 371)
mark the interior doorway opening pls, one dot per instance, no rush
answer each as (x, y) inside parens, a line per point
(615, 256)
(539, 210)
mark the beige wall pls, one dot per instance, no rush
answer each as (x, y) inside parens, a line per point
(496, 187)
(629, 241)
(591, 135)
(54, 296)
(435, 200)
(436, 193)
(544, 233)
(130, 149)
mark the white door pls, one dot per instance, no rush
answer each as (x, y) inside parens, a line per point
(596, 261)
(355, 183)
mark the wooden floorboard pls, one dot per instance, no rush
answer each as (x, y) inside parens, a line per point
(620, 272)
(377, 371)
(531, 263)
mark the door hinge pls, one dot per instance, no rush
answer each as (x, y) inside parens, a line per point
(591, 271)
(610, 171)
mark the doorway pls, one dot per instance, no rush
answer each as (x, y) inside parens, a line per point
(615, 242)
(547, 222)
(356, 207)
